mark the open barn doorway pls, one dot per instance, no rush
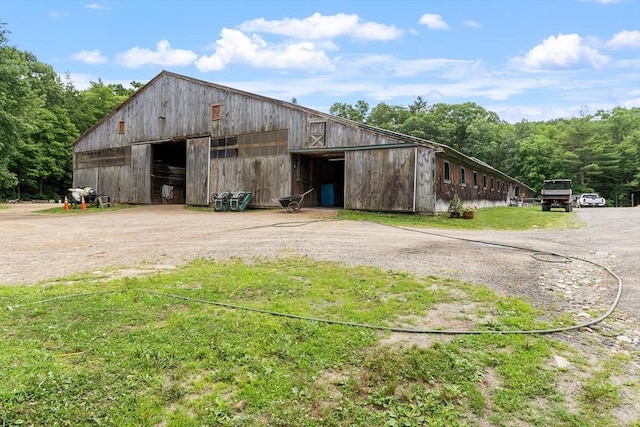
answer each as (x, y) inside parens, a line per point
(323, 173)
(168, 172)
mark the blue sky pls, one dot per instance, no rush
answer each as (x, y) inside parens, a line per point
(523, 59)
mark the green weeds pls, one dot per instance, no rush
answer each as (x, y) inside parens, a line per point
(78, 211)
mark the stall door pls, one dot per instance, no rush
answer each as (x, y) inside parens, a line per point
(141, 174)
(197, 174)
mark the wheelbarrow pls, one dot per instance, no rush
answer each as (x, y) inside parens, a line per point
(292, 204)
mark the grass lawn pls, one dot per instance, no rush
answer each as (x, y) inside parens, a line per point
(498, 218)
(78, 211)
(81, 352)
(59, 209)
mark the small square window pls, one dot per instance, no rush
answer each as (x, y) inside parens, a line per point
(121, 127)
(216, 112)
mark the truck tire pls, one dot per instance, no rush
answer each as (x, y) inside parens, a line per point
(567, 207)
(545, 207)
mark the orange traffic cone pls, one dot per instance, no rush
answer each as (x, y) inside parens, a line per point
(66, 203)
(83, 205)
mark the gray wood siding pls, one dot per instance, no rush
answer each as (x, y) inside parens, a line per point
(85, 177)
(115, 182)
(380, 180)
(197, 173)
(346, 135)
(141, 174)
(425, 176)
(265, 177)
(179, 107)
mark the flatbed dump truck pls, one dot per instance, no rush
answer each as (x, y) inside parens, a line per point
(557, 193)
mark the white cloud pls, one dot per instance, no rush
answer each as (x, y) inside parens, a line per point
(234, 47)
(562, 52)
(318, 26)
(632, 64)
(97, 6)
(471, 23)
(58, 14)
(632, 99)
(433, 21)
(442, 67)
(625, 39)
(163, 56)
(90, 57)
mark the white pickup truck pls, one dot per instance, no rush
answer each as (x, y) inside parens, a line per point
(591, 200)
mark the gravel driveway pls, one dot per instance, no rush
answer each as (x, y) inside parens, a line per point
(37, 247)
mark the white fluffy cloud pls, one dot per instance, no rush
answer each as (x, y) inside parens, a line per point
(90, 57)
(164, 55)
(318, 26)
(625, 39)
(562, 52)
(236, 47)
(97, 6)
(433, 21)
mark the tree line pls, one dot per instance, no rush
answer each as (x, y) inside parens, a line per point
(42, 114)
(599, 152)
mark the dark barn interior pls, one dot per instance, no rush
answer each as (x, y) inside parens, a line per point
(168, 172)
(325, 175)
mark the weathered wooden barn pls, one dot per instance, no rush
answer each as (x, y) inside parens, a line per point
(197, 138)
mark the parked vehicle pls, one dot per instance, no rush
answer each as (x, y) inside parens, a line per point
(556, 193)
(591, 200)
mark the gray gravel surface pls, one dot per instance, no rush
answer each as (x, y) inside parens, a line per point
(37, 247)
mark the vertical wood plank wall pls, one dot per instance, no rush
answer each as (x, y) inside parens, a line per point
(380, 180)
(197, 173)
(425, 180)
(141, 174)
(266, 178)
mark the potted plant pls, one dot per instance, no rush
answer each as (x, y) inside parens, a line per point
(455, 206)
(468, 212)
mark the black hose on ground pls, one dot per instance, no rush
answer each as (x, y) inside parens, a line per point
(536, 254)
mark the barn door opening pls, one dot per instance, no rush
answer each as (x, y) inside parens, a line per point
(169, 166)
(325, 174)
